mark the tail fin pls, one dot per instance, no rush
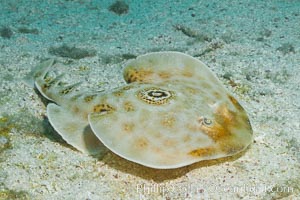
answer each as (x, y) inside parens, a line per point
(38, 71)
(49, 84)
(37, 76)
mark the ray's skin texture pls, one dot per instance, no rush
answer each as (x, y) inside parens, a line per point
(173, 112)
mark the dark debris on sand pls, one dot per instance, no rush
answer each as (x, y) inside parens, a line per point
(71, 52)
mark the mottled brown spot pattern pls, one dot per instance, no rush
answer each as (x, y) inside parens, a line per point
(89, 98)
(170, 142)
(235, 103)
(48, 79)
(128, 106)
(67, 90)
(45, 87)
(186, 138)
(103, 108)
(217, 95)
(203, 152)
(220, 128)
(141, 142)
(187, 73)
(206, 85)
(127, 87)
(118, 93)
(192, 90)
(128, 127)
(121, 91)
(164, 75)
(76, 109)
(168, 121)
(191, 128)
(134, 75)
(231, 147)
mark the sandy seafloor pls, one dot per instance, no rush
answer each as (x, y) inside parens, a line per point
(251, 45)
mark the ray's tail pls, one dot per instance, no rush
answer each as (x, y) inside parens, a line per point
(49, 85)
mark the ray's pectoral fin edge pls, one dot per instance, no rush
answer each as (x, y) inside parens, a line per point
(75, 130)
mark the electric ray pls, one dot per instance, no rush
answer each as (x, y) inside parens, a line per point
(173, 112)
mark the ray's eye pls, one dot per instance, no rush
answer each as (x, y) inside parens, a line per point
(205, 121)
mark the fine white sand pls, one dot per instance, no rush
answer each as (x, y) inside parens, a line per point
(253, 47)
